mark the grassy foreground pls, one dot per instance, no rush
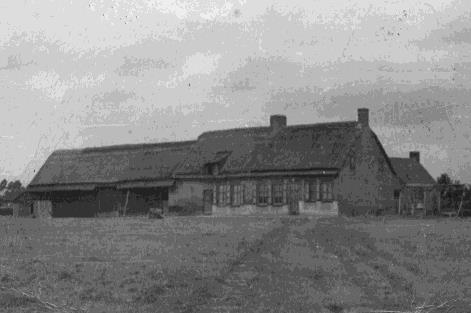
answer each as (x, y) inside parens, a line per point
(235, 264)
(117, 265)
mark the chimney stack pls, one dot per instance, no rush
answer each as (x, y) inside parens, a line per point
(415, 155)
(364, 117)
(277, 122)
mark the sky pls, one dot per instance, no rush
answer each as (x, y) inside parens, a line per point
(81, 73)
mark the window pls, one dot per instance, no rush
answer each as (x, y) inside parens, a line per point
(312, 190)
(277, 192)
(237, 195)
(326, 190)
(224, 194)
(249, 194)
(211, 169)
(419, 195)
(263, 194)
(214, 169)
(397, 193)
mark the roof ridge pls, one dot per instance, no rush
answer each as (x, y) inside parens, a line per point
(236, 129)
(169, 144)
(342, 123)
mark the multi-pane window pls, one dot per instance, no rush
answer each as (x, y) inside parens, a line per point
(263, 193)
(277, 192)
(224, 194)
(312, 190)
(237, 194)
(419, 195)
(326, 190)
(248, 194)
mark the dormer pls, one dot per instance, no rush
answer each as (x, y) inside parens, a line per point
(211, 169)
(215, 163)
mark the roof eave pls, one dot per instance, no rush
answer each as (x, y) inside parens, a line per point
(256, 174)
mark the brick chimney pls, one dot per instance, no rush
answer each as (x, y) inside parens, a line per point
(415, 155)
(277, 122)
(364, 117)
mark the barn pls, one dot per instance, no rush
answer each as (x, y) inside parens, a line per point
(124, 179)
(324, 168)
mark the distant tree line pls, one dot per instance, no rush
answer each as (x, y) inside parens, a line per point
(9, 190)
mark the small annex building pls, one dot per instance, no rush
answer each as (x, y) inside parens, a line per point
(325, 168)
(419, 193)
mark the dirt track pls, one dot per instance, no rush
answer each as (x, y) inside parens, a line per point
(322, 266)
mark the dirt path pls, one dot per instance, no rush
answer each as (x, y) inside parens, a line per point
(239, 286)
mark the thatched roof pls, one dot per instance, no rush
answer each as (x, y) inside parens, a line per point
(303, 147)
(411, 172)
(299, 147)
(245, 151)
(85, 168)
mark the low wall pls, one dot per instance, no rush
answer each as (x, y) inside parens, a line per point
(305, 208)
(250, 209)
(319, 208)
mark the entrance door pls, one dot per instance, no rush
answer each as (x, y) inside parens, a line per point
(292, 197)
(208, 201)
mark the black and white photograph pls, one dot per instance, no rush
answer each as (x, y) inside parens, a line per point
(223, 156)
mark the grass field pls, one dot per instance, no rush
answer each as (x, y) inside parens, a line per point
(235, 264)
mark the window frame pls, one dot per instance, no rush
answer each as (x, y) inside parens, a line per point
(419, 195)
(277, 191)
(326, 194)
(265, 188)
(248, 191)
(224, 194)
(237, 194)
(312, 195)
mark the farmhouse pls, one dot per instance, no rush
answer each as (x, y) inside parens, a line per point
(327, 168)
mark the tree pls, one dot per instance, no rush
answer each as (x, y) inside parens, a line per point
(3, 185)
(454, 194)
(10, 190)
(444, 179)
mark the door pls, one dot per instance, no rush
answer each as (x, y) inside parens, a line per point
(208, 201)
(292, 197)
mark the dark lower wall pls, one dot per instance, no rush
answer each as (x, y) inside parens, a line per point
(74, 204)
(65, 203)
(104, 200)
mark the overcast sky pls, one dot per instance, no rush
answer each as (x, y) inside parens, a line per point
(88, 73)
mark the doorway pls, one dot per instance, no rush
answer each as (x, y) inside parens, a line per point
(208, 201)
(292, 197)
